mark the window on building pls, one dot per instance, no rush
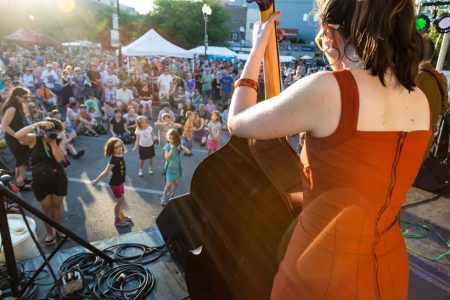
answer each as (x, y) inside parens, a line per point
(305, 17)
(251, 25)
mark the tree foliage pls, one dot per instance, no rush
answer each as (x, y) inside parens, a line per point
(182, 21)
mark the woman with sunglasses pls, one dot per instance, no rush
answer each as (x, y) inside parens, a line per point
(367, 127)
(13, 120)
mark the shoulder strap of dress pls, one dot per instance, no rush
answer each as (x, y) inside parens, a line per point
(349, 101)
(349, 111)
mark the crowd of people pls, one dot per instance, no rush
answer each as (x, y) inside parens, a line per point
(365, 134)
(167, 101)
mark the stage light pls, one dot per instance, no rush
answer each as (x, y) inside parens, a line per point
(443, 23)
(422, 22)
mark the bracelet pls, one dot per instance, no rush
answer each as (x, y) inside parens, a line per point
(248, 83)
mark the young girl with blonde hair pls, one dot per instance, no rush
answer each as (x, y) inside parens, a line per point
(144, 142)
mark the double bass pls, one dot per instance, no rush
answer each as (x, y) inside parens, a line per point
(244, 196)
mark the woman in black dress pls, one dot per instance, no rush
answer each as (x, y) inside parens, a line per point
(12, 121)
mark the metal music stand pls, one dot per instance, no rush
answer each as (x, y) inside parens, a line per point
(10, 259)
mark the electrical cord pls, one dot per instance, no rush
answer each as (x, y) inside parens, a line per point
(87, 262)
(125, 279)
(419, 231)
(129, 281)
(5, 286)
(147, 254)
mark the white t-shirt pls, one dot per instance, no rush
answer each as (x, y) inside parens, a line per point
(124, 96)
(110, 80)
(214, 130)
(145, 136)
(165, 81)
(49, 78)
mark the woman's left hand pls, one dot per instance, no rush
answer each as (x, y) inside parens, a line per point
(262, 31)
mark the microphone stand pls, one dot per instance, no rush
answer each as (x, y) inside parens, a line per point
(5, 192)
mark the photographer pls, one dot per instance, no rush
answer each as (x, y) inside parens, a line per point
(49, 178)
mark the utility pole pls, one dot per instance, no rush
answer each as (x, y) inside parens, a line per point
(118, 30)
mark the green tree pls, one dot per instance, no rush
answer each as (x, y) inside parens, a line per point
(182, 22)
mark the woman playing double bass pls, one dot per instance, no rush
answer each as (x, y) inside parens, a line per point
(367, 127)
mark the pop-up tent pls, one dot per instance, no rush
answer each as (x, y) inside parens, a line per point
(214, 51)
(283, 58)
(152, 44)
(82, 44)
(29, 36)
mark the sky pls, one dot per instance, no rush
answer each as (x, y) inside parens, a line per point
(142, 6)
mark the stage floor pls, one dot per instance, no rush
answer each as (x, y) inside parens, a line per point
(169, 279)
(428, 279)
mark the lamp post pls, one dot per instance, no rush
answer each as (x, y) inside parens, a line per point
(206, 10)
(242, 39)
(118, 31)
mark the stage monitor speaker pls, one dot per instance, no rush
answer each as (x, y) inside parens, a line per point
(179, 228)
(433, 176)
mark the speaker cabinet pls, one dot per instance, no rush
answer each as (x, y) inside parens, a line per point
(433, 176)
(179, 228)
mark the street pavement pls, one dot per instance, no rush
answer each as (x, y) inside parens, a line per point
(88, 210)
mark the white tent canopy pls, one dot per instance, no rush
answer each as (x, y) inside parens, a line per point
(152, 44)
(306, 57)
(213, 50)
(83, 44)
(283, 58)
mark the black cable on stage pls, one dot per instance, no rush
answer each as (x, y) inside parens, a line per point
(147, 254)
(125, 279)
(88, 263)
(24, 276)
(124, 282)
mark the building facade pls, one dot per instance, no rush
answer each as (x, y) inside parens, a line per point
(297, 18)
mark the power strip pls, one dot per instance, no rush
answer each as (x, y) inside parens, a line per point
(72, 282)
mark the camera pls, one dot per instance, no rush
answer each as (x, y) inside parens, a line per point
(51, 133)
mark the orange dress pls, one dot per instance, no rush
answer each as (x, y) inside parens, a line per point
(347, 243)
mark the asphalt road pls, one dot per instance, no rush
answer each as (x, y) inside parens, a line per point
(88, 210)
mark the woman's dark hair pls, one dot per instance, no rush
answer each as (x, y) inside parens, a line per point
(383, 33)
(57, 124)
(13, 101)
